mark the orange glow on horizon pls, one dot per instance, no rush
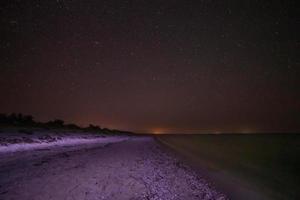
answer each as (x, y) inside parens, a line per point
(157, 131)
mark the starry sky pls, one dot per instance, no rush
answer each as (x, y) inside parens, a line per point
(164, 66)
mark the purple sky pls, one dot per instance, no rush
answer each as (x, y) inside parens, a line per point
(172, 66)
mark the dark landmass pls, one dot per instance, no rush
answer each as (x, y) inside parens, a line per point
(26, 124)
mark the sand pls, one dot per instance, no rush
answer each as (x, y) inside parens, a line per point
(127, 168)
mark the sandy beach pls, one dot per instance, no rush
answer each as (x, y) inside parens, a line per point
(127, 168)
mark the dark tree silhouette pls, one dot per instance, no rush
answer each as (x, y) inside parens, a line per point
(3, 119)
(21, 120)
(93, 128)
(72, 126)
(58, 123)
(16, 119)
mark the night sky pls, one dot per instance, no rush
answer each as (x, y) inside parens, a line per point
(153, 66)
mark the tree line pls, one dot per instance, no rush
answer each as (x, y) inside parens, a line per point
(21, 120)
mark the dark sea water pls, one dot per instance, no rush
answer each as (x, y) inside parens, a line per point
(245, 166)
